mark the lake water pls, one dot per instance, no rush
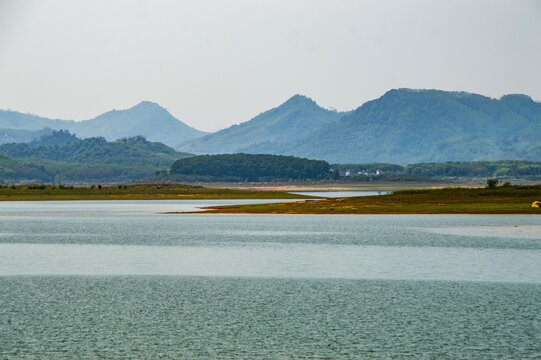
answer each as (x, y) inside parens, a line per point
(342, 193)
(119, 279)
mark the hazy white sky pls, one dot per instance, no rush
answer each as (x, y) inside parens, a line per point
(216, 63)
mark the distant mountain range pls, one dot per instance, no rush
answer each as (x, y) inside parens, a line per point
(403, 126)
(147, 119)
(407, 126)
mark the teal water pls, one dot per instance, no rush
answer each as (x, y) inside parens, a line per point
(121, 280)
(189, 317)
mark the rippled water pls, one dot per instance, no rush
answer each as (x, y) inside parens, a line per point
(120, 280)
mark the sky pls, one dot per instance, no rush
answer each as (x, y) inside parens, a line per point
(216, 63)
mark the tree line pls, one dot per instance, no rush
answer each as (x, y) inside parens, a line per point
(249, 167)
(500, 168)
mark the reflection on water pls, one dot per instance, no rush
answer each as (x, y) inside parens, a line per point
(514, 231)
(342, 193)
(275, 260)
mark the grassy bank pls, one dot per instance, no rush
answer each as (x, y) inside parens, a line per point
(132, 192)
(501, 200)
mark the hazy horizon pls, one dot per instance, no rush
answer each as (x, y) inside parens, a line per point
(213, 64)
(328, 108)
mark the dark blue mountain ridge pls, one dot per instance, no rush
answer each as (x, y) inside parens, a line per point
(8, 136)
(293, 120)
(147, 119)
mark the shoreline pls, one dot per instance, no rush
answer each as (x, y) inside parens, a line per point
(502, 200)
(136, 192)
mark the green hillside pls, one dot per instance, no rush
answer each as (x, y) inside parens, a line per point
(61, 157)
(406, 126)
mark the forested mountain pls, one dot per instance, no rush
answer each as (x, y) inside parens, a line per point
(61, 157)
(295, 119)
(405, 126)
(146, 119)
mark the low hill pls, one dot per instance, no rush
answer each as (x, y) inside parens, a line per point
(247, 167)
(127, 150)
(60, 157)
(146, 119)
(295, 119)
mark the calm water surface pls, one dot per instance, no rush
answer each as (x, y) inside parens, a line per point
(343, 193)
(117, 279)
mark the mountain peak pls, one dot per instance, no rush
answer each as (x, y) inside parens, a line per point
(296, 118)
(299, 99)
(148, 105)
(143, 106)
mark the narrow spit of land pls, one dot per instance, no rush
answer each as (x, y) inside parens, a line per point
(501, 200)
(133, 192)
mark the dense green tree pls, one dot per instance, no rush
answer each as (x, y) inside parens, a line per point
(248, 167)
(492, 183)
(512, 168)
